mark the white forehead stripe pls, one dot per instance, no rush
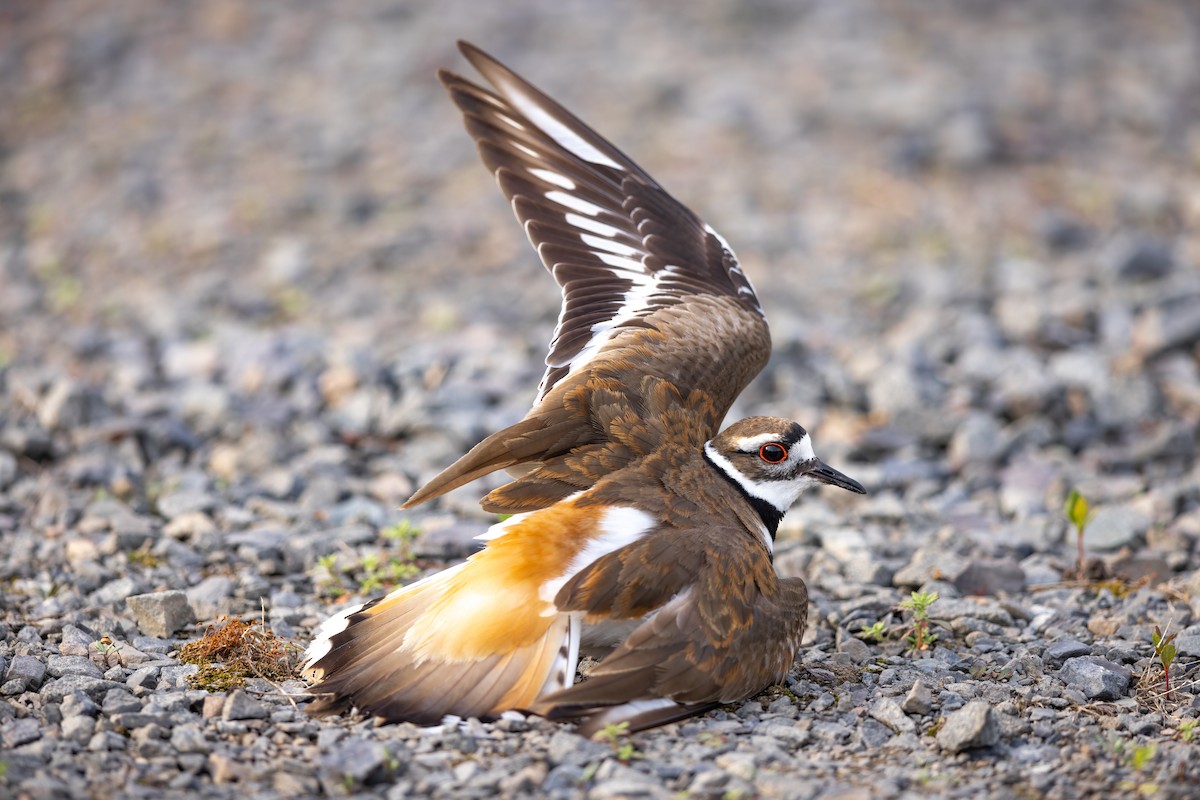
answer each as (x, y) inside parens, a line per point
(802, 450)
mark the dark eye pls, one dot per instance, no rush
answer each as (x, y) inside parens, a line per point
(772, 453)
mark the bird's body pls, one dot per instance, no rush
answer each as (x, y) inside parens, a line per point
(636, 526)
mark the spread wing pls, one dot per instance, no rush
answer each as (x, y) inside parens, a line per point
(618, 245)
(654, 302)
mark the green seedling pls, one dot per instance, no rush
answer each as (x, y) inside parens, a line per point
(1079, 515)
(919, 637)
(873, 633)
(1187, 729)
(1164, 649)
(401, 566)
(615, 734)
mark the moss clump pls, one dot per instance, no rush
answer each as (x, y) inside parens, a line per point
(236, 649)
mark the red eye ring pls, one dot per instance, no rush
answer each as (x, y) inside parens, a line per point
(773, 453)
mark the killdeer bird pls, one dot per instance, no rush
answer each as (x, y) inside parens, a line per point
(637, 528)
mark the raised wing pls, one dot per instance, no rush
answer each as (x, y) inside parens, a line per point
(659, 330)
(620, 247)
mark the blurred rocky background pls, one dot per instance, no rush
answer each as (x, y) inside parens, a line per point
(255, 286)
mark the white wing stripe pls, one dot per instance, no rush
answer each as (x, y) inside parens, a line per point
(620, 262)
(560, 133)
(553, 177)
(591, 225)
(608, 244)
(574, 203)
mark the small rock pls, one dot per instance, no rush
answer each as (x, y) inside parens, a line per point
(1113, 527)
(855, 648)
(20, 731)
(990, 577)
(568, 748)
(212, 706)
(919, 699)
(447, 541)
(58, 666)
(190, 525)
(78, 728)
(1098, 678)
(95, 688)
(1134, 567)
(240, 705)
(174, 505)
(358, 758)
(224, 768)
(8, 469)
(1024, 485)
(873, 733)
(189, 739)
(890, 713)
(969, 727)
(1170, 325)
(1141, 258)
(977, 440)
(160, 614)
(119, 700)
(211, 596)
(28, 669)
(1064, 649)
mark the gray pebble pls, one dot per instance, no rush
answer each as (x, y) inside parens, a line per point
(78, 728)
(17, 732)
(1113, 527)
(1188, 644)
(919, 699)
(1063, 649)
(28, 670)
(58, 666)
(189, 739)
(972, 726)
(95, 688)
(990, 577)
(240, 705)
(1097, 678)
(211, 596)
(890, 713)
(1141, 258)
(363, 760)
(160, 614)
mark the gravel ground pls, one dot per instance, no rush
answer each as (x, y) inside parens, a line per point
(254, 287)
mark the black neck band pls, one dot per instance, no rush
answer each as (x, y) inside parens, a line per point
(768, 513)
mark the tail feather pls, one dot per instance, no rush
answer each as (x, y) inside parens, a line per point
(366, 658)
(640, 715)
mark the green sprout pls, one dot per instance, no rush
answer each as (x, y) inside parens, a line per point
(1078, 514)
(873, 633)
(919, 637)
(615, 734)
(1164, 649)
